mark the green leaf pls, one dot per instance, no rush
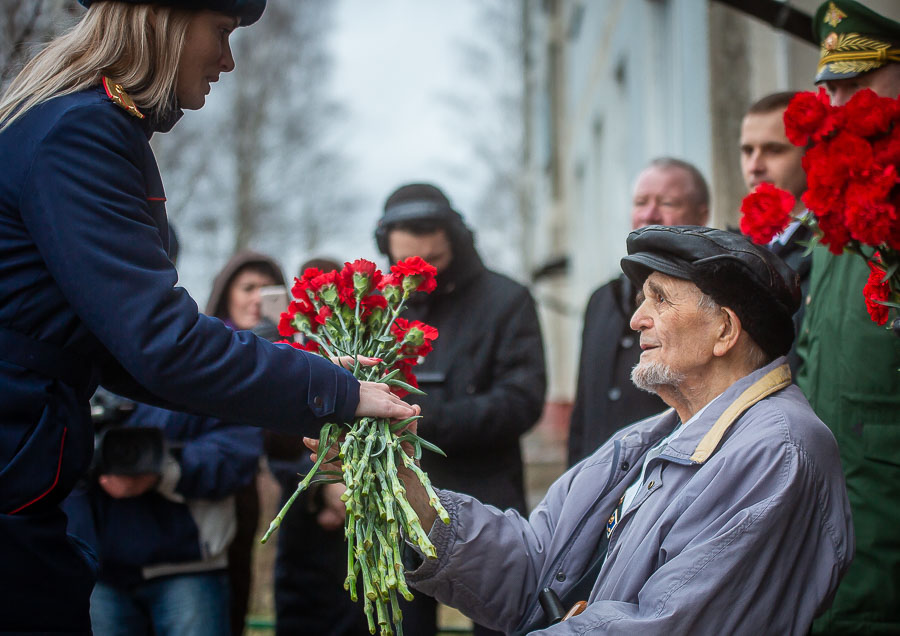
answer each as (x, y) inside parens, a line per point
(385, 338)
(412, 437)
(399, 426)
(888, 303)
(389, 376)
(406, 387)
(326, 480)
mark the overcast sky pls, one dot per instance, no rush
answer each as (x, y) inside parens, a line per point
(393, 61)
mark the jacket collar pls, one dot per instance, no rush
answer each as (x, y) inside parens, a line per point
(701, 439)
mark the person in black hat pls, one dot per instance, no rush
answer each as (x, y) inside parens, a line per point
(849, 364)
(89, 292)
(485, 379)
(726, 514)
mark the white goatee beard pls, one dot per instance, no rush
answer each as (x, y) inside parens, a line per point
(649, 376)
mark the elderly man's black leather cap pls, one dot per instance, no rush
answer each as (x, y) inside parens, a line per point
(247, 10)
(755, 283)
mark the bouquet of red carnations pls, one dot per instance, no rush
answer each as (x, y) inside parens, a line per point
(350, 314)
(852, 196)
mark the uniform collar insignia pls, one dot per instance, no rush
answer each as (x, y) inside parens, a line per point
(834, 15)
(120, 98)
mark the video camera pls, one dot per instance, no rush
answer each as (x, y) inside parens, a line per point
(118, 449)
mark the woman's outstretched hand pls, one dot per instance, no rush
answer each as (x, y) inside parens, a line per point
(376, 400)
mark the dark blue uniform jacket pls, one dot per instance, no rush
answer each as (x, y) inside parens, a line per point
(88, 296)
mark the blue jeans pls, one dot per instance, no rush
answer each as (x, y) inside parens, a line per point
(181, 605)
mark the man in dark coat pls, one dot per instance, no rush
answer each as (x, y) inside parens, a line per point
(485, 379)
(667, 192)
(767, 156)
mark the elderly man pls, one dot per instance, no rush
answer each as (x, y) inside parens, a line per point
(667, 192)
(849, 370)
(727, 514)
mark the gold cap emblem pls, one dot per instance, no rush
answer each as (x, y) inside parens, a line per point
(830, 42)
(834, 15)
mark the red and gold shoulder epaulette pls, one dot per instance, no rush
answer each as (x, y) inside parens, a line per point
(120, 98)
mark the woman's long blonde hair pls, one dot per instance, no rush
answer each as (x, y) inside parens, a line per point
(135, 45)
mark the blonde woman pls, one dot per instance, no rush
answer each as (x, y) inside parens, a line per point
(87, 291)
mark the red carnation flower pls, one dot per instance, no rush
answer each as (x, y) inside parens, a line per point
(887, 148)
(809, 116)
(869, 215)
(299, 289)
(850, 153)
(416, 336)
(302, 284)
(417, 274)
(303, 306)
(370, 303)
(877, 289)
(286, 325)
(309, 345)
(361, 276)
(766, 212)
(324, 314)
(834, 233)
(867, 114)
(317, 282)
(390, 280)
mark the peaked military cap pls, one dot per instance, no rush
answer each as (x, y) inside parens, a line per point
(853, 40)
(752, 281)
(247, 10)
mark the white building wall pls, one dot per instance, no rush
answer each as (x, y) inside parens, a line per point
(632, 85)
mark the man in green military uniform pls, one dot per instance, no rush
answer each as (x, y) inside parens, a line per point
(851, 367)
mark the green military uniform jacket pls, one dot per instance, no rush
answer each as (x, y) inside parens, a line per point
(851, 376)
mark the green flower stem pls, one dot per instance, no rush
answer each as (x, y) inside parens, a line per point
(322, 344)
(382, 618)
(324, 434)
(370, 618)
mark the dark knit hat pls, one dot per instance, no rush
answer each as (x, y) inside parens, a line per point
(750, 280)
(416, 203)
(247, 10)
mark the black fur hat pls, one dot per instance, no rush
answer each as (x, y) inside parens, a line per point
(247, 10)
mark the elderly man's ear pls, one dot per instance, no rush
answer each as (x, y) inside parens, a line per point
(729, 331)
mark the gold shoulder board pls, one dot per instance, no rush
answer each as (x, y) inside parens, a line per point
(120, 98)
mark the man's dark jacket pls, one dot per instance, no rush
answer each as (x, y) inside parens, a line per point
(485, 379)
(606, 399)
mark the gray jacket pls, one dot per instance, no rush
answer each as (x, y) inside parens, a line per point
(742, 526)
